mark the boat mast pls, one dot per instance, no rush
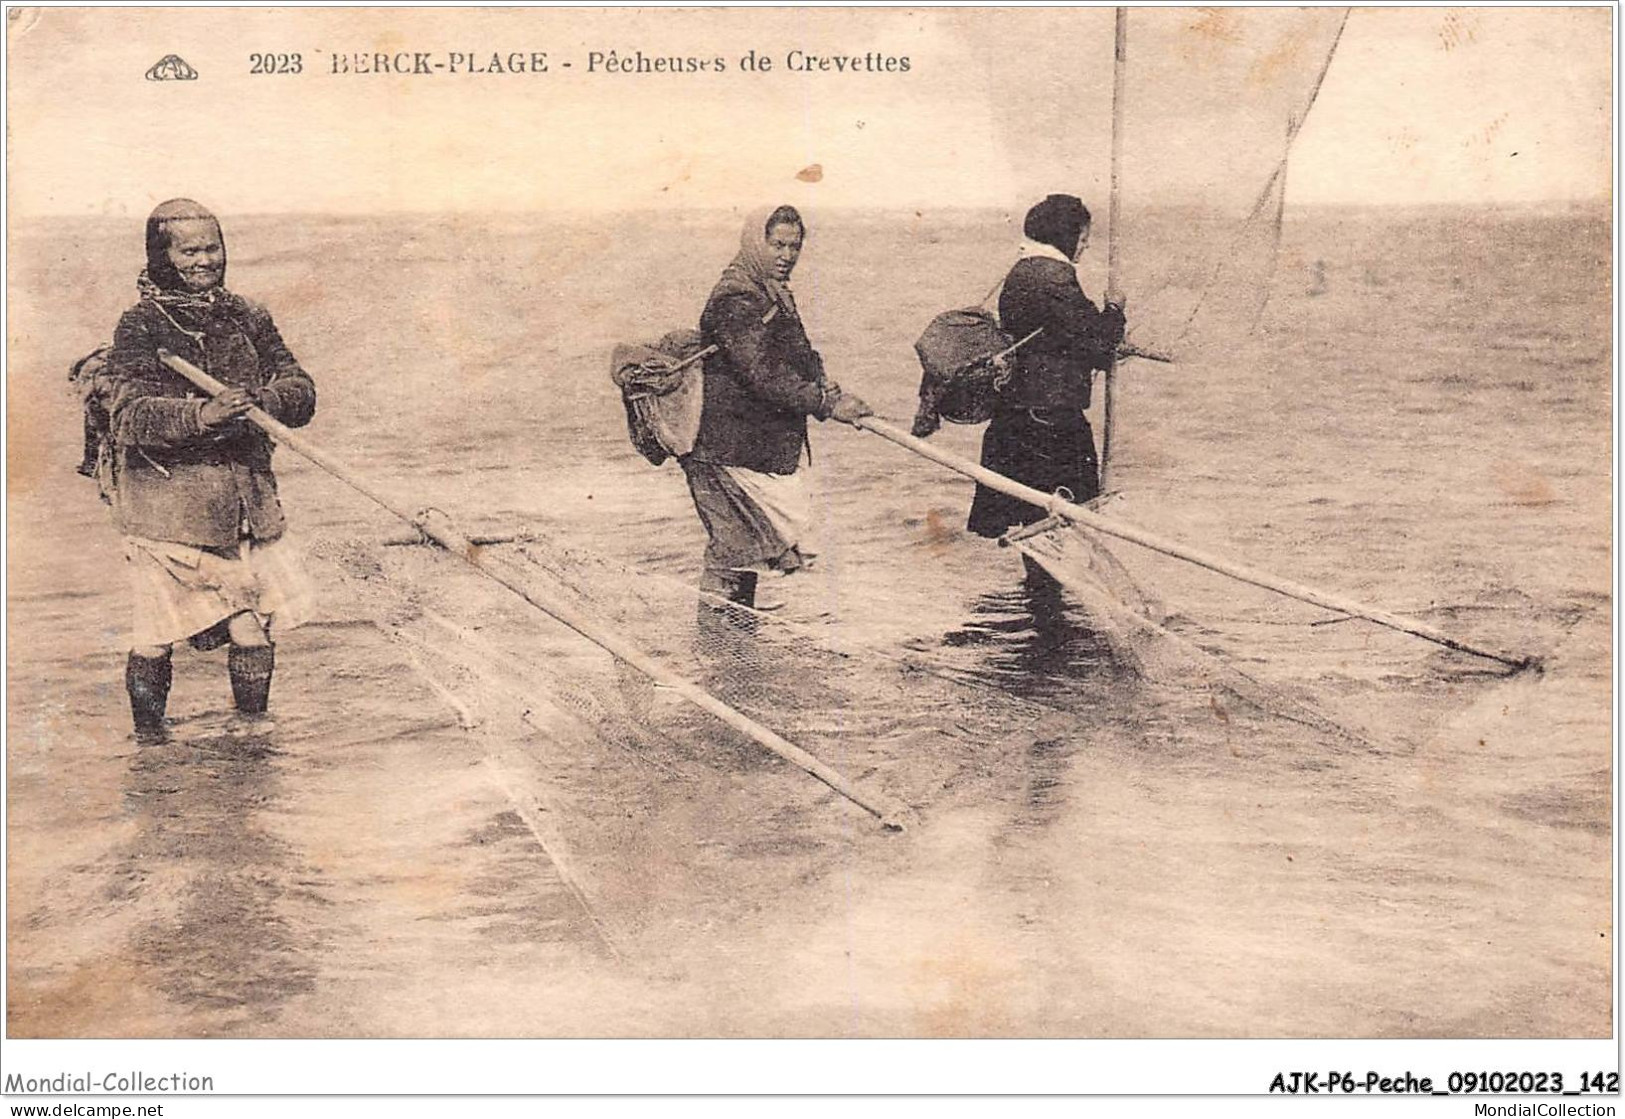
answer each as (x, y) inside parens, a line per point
(1113, 294)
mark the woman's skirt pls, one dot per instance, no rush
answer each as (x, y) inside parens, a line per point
(1031, 449)
(755, 521)
(180, 590)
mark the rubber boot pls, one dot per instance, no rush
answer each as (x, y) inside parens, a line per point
(735, 586)
(721, 623)
(250, 667)
(744, 588)
(147, 679)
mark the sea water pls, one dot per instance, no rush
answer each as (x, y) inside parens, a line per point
(1419, 419)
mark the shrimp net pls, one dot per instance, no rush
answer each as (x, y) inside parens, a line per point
(653, 808)
(906, 721)
(1212, 102)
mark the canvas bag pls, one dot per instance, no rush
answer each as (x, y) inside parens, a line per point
(87, 377)
(961, 354)
(662, 404)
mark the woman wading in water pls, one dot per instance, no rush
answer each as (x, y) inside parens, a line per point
(1039, 434)
(192, 487)
(760, 387)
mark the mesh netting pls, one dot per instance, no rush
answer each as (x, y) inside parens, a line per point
(1213, 103)
(905, 720)
(1142, 638)
(1212, 100)
(854, 706)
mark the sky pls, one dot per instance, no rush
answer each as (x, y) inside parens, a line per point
(1420, 105)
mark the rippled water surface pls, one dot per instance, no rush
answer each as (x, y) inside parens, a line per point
(465, 820)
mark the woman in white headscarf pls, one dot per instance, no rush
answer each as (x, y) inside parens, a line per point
(1039, 435)
(760, 387)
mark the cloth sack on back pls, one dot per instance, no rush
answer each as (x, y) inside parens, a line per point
(959, 353)
(662, 402)
(88, 377)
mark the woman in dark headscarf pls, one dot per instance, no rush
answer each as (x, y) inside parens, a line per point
(760, 387)
(1039, 434)
(192, 485)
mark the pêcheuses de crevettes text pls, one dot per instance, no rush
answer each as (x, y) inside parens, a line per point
(613, 61)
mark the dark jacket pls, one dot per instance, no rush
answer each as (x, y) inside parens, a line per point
(172, 480)
(1054, 371)
(761, 385)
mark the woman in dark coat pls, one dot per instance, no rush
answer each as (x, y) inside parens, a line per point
(192, 486)
(760, 387)
(1039, 434)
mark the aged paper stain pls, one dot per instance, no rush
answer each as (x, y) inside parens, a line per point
(1217, 24)
(963, 990)
(1524, 485)
(1458, 28)
(1283, 62)
(939, 534)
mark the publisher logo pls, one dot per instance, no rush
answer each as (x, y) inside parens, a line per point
(171, 68)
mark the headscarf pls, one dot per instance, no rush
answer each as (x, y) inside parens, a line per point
(161, 284)
(1030, 248)
(159, 269)
(753, 266)
(1058, 221)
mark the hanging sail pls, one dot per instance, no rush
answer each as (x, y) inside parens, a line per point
(1214, 100)
(1211, 103)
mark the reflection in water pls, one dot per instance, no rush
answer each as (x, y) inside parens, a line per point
(223, 949)
(1034, 642)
